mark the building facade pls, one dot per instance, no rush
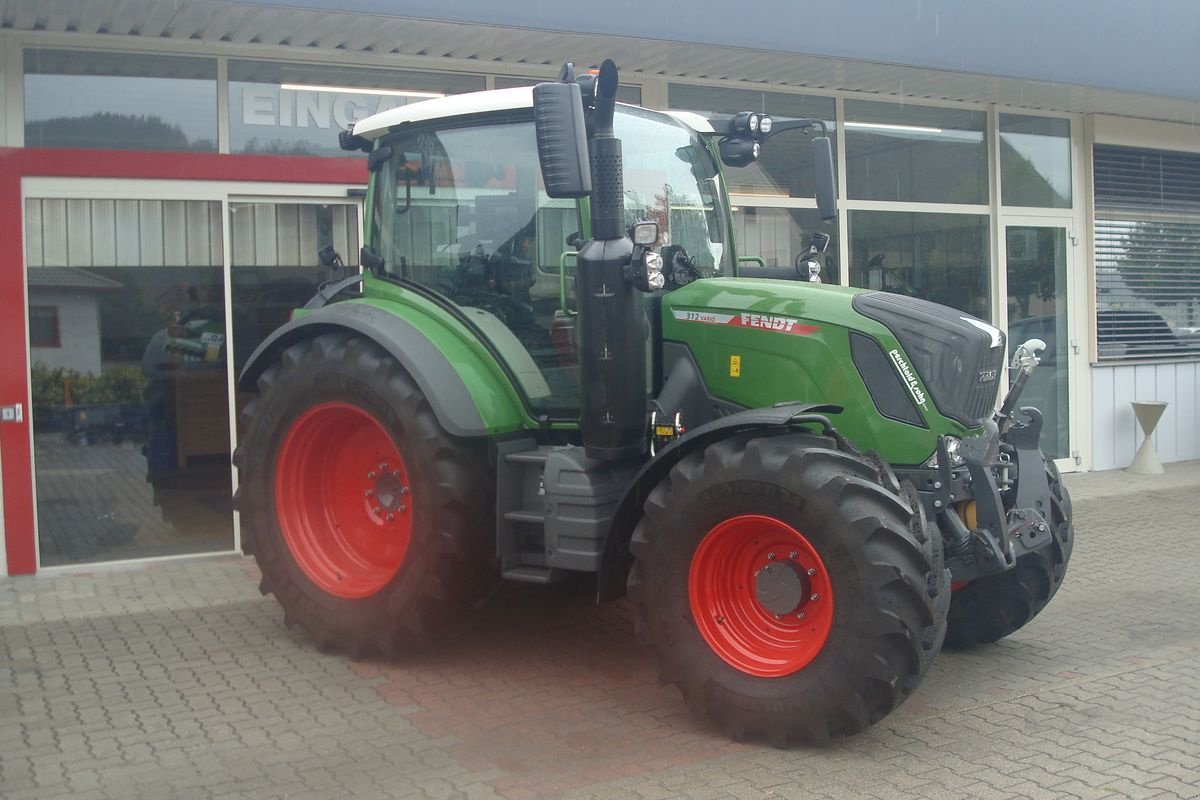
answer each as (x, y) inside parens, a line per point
(169, 172)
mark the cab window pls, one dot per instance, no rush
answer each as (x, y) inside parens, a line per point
(462, 212)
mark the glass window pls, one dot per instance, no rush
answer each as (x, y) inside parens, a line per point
(43, 327)
(298, 109)
(938, 257)
(915, 153)
(778, 236)
(120, 101)
(130, 409)
(275, 268)
(1037, 308)
(458, 211)
(625, 94)
(785, 168)
(1035, 161)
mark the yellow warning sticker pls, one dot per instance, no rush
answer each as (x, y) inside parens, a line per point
(735, 366)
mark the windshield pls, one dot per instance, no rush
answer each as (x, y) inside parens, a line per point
(475, 187)
(671, 179)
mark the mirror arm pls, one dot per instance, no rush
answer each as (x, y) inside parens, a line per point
(780, 126)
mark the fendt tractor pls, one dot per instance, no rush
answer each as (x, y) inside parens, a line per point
(553, 363)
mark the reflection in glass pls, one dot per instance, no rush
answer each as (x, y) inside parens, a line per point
(785, 168)
(779, 235)
(625, 94)
(916, 154)
(1037, 309)
(938, 257)
(130, 420)
(1035, 161)
(297, 109)
(275, 267)
(120, 101)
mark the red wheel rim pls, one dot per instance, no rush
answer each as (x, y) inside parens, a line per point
(342, 500)
(725, 604)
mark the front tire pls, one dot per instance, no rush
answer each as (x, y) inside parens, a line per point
(736, 534)
(369, 523)
(988, 609)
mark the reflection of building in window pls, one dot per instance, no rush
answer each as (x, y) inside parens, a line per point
(43, 326)
(64, 317)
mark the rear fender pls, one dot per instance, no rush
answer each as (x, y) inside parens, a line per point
(774, 421)
(488, 406)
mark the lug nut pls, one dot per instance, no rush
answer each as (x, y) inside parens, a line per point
(792, 555)
(811, 571)
(403, 490)
(371, 475)
(383, 467)
(814, 597)
(770, 556)
(395, 473)
(402, 508)
(391, 517)
(801, 615)
(377, 510)
(368, 493)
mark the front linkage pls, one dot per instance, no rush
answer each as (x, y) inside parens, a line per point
(1002, 511)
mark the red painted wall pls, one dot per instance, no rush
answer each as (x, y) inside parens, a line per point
(18, 163)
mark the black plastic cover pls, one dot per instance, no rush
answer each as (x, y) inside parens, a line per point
(958, 357)
(883, 382)
(562, 139)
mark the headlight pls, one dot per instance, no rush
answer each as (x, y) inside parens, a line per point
(953, 450)
(764, 125)
(754, 119)
(654, 274)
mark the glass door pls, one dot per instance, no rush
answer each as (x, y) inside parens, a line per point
(274, 266)
(1038, 269)
(126, 302)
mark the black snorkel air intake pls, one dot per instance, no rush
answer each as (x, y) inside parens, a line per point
(612, 337)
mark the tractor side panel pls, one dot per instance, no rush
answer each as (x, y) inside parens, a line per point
(762, 342)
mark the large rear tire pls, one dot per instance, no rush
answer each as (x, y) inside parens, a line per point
(737, 533)
(986, 610)
(369, 523)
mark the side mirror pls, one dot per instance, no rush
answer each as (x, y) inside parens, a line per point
(823, 167)
(562, 139)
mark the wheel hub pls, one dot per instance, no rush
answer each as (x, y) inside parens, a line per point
(781, 587)
(389, 491)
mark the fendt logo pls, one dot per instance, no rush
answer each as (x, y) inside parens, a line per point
(762, 322)
(914, 387)
(767, 322)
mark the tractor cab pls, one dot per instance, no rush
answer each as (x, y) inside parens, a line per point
(458, 212)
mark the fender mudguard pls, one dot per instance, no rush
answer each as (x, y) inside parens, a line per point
(453, 403)
(776, 420)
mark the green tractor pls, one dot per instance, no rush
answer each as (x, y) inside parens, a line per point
(552, 365)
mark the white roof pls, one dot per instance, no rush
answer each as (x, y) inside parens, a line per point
(454, 105)
(457, 105)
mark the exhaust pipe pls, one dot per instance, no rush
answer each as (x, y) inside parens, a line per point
(612, 332)
(612, 326)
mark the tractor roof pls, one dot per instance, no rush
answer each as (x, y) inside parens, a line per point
(457, 105)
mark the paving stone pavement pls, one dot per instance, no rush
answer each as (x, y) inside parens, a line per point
(177, 680)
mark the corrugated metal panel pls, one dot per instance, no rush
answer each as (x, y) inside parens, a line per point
(1115, 433)
(104, 233)
(126, 233)
(33, 233)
